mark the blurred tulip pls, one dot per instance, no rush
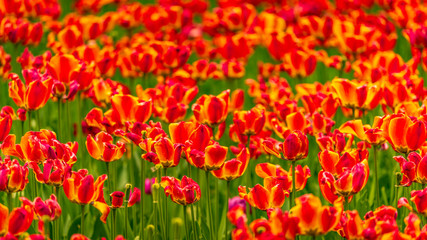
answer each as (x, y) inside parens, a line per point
(313, 218)
(135, 196)
(13, 177)
(117, 199)
(127, 108)
(249, 122)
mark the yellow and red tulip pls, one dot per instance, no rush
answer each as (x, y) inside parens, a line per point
(295, 146)
(183, 192)
(264, 198)
(102, 148)
(403, 133)
(315, 219)
(346, 184)
(212, 110)
(234, 168)
(13, 177)
(34, 94)
(82, 189)
(127, 108)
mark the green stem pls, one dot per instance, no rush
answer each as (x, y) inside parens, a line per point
(142, 199)
(132, 165)
(216, 193)
(155, 207)
(193, 221)
(29, 120)
(126, 221)
(377, 186)
(227, 237)
(209, 206)
(22, 128)
(56, 222)
(114, 223)
(293, 193)
(165, 204)
(185, 222)
(159, 177)
(38, 119)
(82, 223)
(46, 230)
(9, 201)
(67, 105)
(59, 120)
(109, 176)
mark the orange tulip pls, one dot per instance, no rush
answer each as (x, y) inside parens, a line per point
(357, 95)
(208, 159)
(212, 110)
(102, 148)
(54, 172)
(183, 192)
(295, 147)
(20, 220)
(315, 219)
(127, 108)
(264, 198)
(63, 68)
(403, 133)
(273, 174)
(5, 126)
(168, 154)
(349, 182)
(34, 94)
(81, 188)
(373, 135)
(39, 146)
(249, 122)
(234, 168)
(13, 177)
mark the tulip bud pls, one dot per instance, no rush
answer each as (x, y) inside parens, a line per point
(117, 199)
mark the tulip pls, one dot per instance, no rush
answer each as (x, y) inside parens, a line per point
(313, 218)
(48, 210)
(249, 122)
(212, 110)
(54, 172)
(127, 108)
(234, 168)
(5, 126)
(403, 133)
(264, 198)
(82, 189)
(102, 148)
(168, 154)
(134, 197)
(211, 158)
(13, 177)
(34, 94)
(346, 184)
(34, 146)
(273, 174)
(183, 192)
(117, 199)
(20, 220)
(295, 147)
